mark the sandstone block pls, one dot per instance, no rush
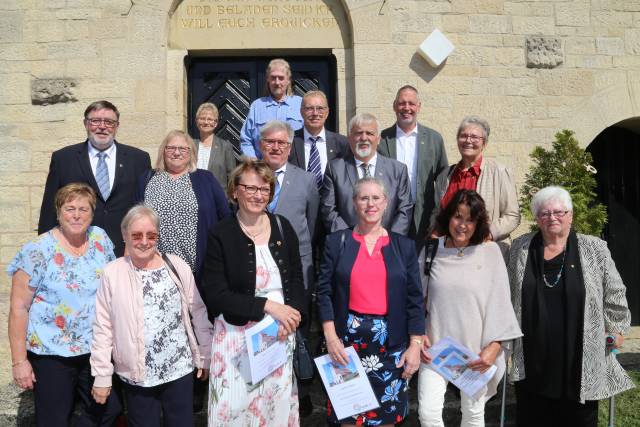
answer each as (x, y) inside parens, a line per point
(50, 31)
(490, 40)
(626, 5)
(533, 25)
(14, 89)
(109, 28)
(73, 49)
(11, 26)
(490, 6)
(574, 14)
(150, 95)
(543, 52)
(77, 29)
(14, 210)
(632, 41)
(82, 69)
(455, 23)
(578, 82)
(53, 91)
(589, 61)
(16, 156)
(608, 18)
(579, 45)
(491, 24)
(610, 45)
(528, 9)
(550, 83)
(46, 69)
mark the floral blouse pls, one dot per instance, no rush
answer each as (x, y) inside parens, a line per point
(63, 306)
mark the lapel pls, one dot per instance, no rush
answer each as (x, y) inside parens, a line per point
(332, 147)
(381, 167)
(120, 167)
(216, 151)
(350, 169)
(391, 143)
(423, 156)
(298, 147)
(85, 167)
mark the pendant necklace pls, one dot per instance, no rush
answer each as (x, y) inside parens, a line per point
(461, 250)
(555, 282)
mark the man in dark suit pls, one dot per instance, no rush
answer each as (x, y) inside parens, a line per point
(296, 198)
(314, 146)
(336, 206)
(421, 149)
(110, 168)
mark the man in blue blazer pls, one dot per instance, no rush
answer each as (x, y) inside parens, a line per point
(336, 206)
(421, 149)
(109, 167)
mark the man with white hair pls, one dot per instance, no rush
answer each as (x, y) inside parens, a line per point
(336, 206)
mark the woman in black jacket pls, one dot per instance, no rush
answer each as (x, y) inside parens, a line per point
(252, 269)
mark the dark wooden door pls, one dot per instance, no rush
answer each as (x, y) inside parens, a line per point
(233, 83)
(615, 152)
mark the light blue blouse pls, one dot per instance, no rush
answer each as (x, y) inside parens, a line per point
(63, 306)
(263, 110)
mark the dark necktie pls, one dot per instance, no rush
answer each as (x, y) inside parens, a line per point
(314, 161)
(365, 170)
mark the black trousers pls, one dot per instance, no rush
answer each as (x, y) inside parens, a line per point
(58, 381)
(533, 410)
(173, 399)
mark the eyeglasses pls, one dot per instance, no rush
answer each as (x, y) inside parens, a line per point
(138, 237)
(277, 142)
(374, 200)
(104, 122)
(472, 138)
(252, 189)
(206, 120)
(314, 109)
(173, 148)
(557, 214)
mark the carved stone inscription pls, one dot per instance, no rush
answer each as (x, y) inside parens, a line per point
(255, 24)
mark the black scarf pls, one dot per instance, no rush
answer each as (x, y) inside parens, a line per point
(535, 318)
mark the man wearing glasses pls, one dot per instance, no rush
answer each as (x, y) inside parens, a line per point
(296, 198)
(109, 167)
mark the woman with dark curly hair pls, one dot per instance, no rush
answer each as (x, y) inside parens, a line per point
(468, 300)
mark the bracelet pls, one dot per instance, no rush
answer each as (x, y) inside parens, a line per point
(13, 365)
(417, 341)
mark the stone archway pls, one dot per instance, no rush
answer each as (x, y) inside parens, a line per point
(615, 152)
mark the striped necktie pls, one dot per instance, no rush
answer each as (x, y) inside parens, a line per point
(314, 161)
(102, 176)
(365, 170)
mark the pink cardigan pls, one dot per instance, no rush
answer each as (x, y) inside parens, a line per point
(118, 326)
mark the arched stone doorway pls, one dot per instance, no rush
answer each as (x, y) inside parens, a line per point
(615, 152)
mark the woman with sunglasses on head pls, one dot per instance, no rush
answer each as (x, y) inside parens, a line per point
(150, 328)
(252, 269)
(570, 300)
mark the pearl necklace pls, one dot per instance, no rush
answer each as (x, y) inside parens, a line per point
(245, 228)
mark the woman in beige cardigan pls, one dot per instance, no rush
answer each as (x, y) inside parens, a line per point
(486, 176)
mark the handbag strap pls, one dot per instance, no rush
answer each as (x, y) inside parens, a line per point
(167, 261)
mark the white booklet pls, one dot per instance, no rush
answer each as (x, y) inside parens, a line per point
(450, 359)
(266, 352)
(348, 386)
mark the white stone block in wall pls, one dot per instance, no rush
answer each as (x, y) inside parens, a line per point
(435, 48)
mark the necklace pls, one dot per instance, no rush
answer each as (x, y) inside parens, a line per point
(74, 251)
(245, 228)
(461, 250)
(555, 282)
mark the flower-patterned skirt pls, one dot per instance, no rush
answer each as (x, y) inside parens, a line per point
(368, 335)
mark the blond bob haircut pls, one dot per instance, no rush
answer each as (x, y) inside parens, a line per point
(278, 63)
(135, 213)
(73, 191)
(207, 106)
(193, 150)
(251, 165)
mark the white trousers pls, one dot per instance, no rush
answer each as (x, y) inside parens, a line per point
(431, 391)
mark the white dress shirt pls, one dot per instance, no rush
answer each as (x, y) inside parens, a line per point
(110, 159)
(372, 166)
(406, 152)
(280, 176)
(321, 144)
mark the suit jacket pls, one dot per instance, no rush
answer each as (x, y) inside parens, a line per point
(405, 301)
(336, 205)
(230, 271)
(337, 146)
(432, 159)
(221, 160)
(298, 202)
(71, 164)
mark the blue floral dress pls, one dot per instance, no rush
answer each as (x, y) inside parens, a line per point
(368, 335)
(62, 311)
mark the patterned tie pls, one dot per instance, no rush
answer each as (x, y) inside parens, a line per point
(365, 170)
(272, 206)
(102, 176)
(314, 161)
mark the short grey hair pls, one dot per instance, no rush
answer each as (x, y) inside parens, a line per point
(552, 192)
(136, 212)
(368, 180)
(478, 121)
(407, 88)
(276, 126)
(364, 119)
